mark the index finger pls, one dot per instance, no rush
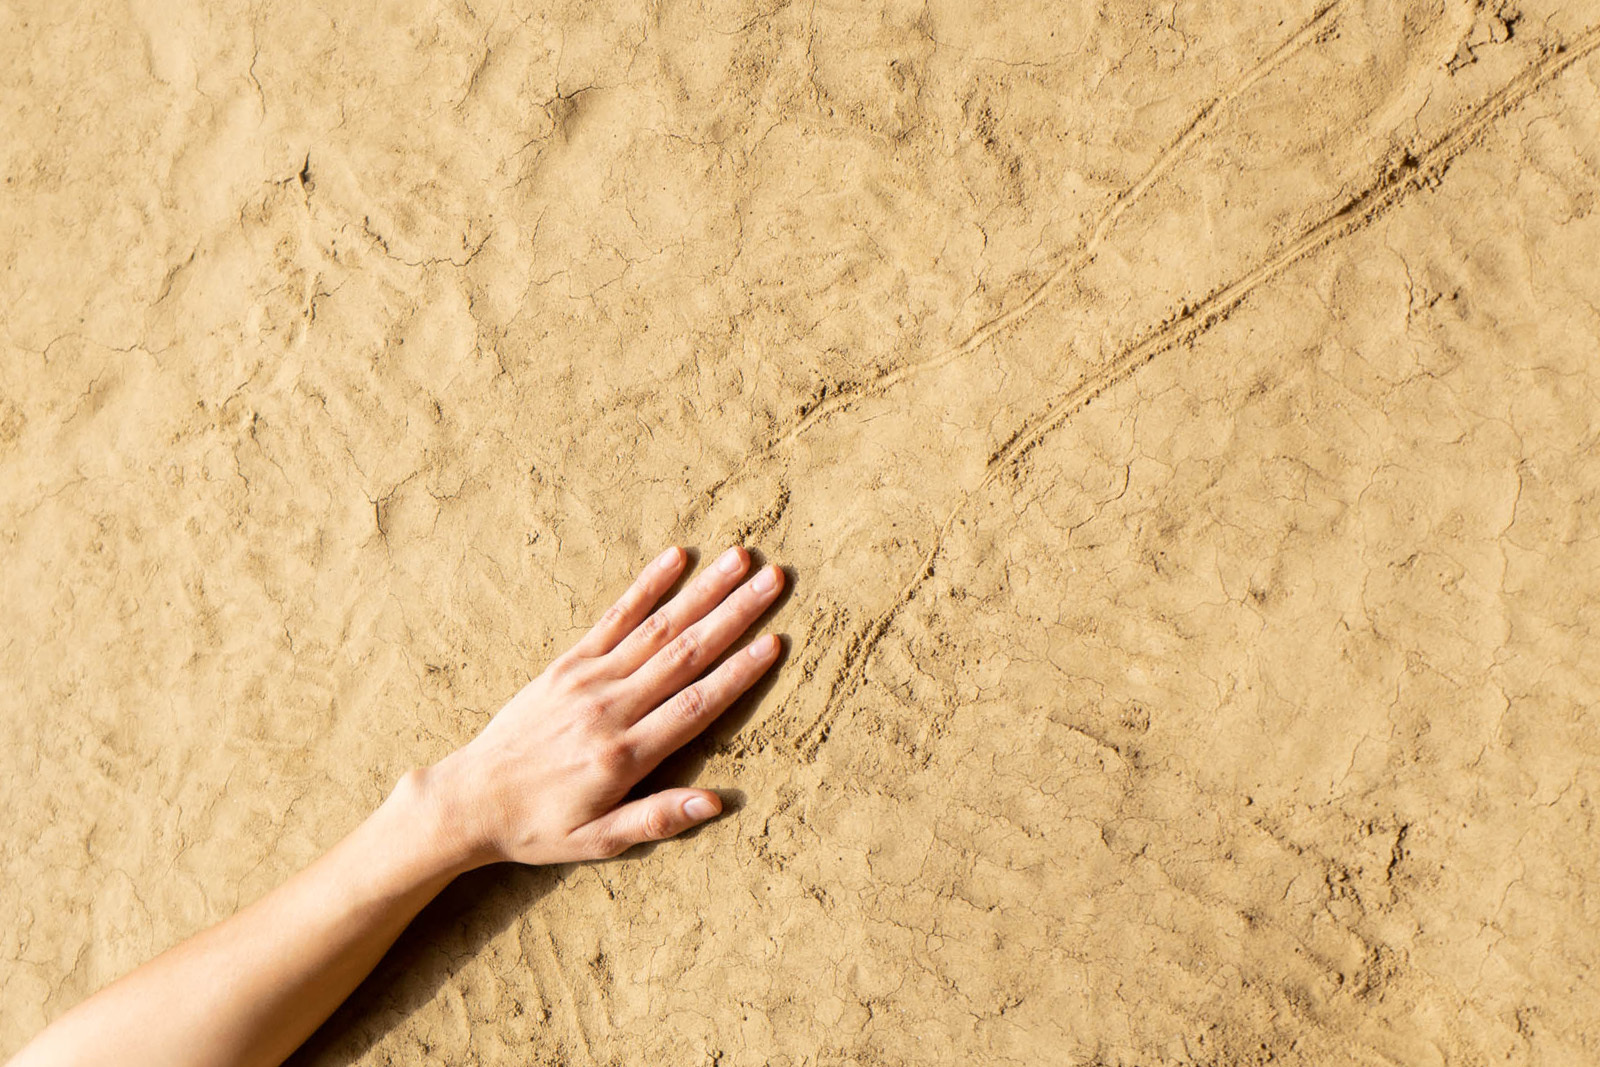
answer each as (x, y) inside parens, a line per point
(630, 609)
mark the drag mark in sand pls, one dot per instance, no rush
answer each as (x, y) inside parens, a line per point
(1416, 170)
(1318, 28)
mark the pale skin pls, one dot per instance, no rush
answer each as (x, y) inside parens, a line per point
(545, 782)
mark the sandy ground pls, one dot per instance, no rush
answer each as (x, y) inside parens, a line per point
(1180, 422)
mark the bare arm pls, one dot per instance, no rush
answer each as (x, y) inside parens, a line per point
(543, 783)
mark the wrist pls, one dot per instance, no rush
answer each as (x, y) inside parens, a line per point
(435, 831)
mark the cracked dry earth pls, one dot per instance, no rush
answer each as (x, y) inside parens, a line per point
(1180, 420)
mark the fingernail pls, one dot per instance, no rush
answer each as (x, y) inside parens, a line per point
(766, 581)
(763, 647)
(667, 558)
(698, 808)
(729, 562)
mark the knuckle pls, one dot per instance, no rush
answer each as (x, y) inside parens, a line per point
(612, 758)
(655, 628)
(690, 704)
(566, 667)
(560, 668)
(685, 649)
(656, 824)
(613, 616)
(591, 710)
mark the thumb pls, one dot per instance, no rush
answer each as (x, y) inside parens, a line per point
(652, 818)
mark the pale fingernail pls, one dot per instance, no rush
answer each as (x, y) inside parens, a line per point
(698, 808)
(667, 558)
(729, 562)
(766, 581)
(763, 647)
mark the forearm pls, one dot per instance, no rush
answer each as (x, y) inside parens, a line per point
(547, 781)
(247, 992)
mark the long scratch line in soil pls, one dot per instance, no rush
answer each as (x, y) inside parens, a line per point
(553, 972)
(1417, 170)
(1318, 27)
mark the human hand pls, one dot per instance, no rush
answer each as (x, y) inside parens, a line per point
(544, 781)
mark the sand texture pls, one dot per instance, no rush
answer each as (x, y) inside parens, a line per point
(1181, 422)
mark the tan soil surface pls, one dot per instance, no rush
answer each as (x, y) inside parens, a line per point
(1180, 421)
